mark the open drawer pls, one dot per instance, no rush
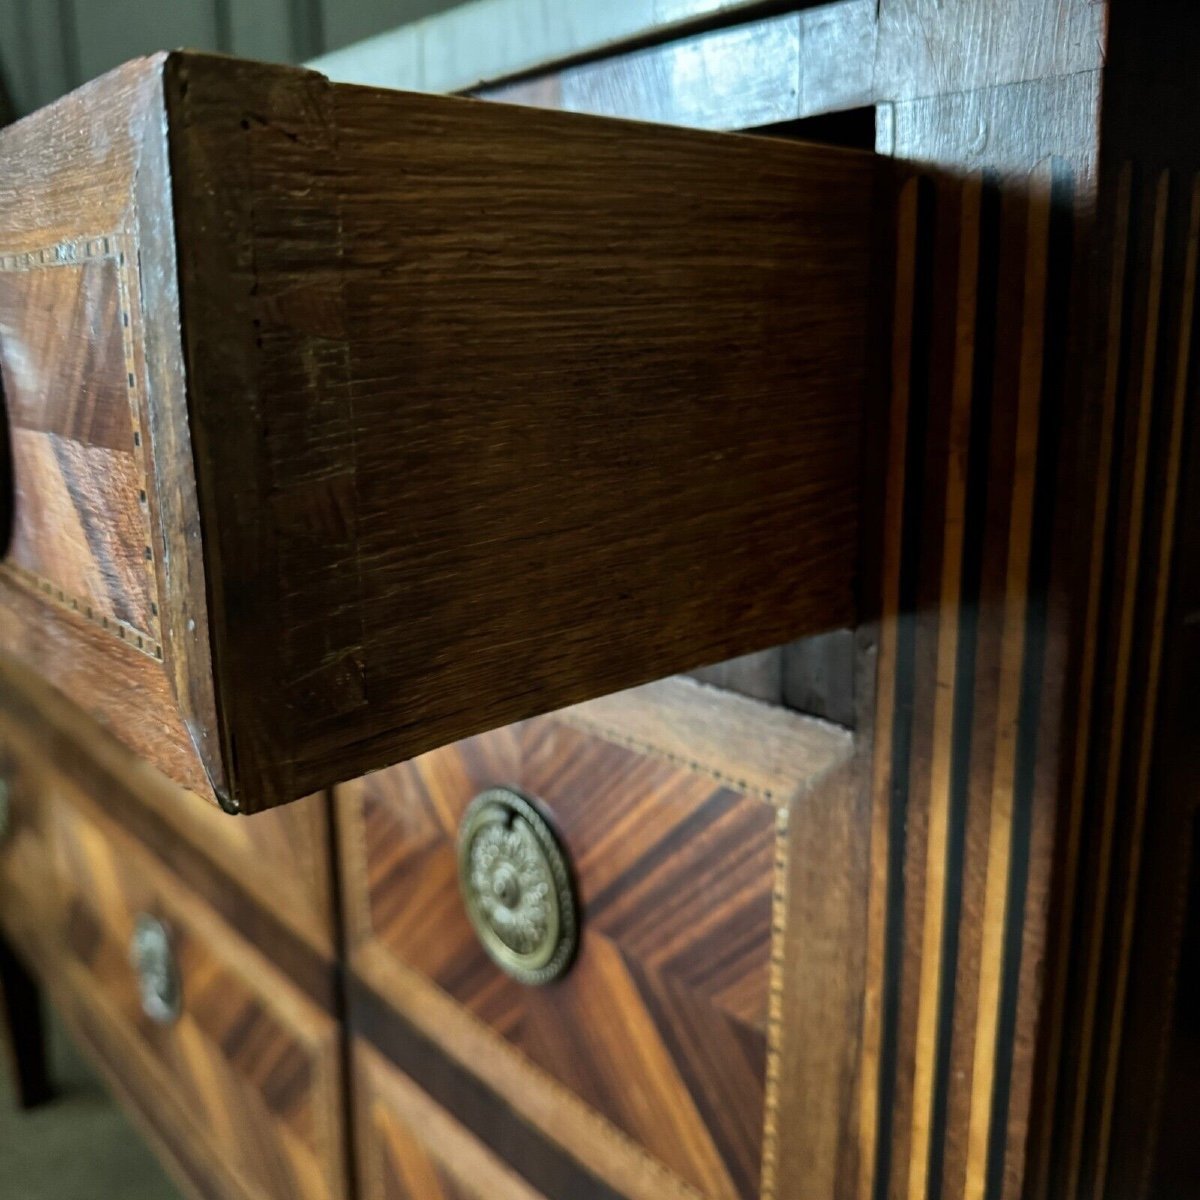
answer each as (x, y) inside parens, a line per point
(343, 424)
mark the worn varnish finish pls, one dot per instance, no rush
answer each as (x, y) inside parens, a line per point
(409, 406)
(676, 825)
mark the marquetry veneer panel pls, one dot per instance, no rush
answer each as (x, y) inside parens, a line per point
(249, 1071)
(412, 1149)
(662, 1025)
(272, 877)
(81, 533)
(24, 863)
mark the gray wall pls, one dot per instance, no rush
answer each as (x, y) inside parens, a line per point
(48, 47)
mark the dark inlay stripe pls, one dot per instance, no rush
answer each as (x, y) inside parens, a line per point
(983, 381)
(919, 389)
(546, 1166)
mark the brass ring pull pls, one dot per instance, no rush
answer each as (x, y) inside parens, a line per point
(153, 959)
(517, 887)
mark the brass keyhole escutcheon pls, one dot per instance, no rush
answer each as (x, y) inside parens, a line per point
(516, 884)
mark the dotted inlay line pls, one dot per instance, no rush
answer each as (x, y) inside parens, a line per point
(66, 254)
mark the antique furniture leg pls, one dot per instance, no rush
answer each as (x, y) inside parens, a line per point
(24, 1030)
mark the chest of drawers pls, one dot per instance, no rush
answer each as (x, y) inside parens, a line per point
(376, 463)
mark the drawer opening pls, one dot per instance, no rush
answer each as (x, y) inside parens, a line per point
(850, 128)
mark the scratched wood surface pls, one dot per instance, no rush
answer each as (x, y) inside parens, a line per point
(663, 1025)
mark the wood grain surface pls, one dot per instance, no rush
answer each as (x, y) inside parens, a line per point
(272, 876)
(253, 1062)
(662, 1025)
(969, 725)
(1118, 1062)
(977, 921)
(90, 583)
(25, 879)
(440, 394)
(446, 480)
(412, 1149)
(783, 68)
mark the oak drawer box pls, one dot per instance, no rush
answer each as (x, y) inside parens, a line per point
(345, 423)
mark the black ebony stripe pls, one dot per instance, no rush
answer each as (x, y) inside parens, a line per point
(547, 1167)
(982, 396)
(920, 367)
(1054, 377)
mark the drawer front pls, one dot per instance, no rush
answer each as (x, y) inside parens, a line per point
(26, 914)
(410, 1148)
(649, 1058)
(271, 876)
(233, 1067)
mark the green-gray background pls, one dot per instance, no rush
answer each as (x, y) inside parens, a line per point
(47, 47)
